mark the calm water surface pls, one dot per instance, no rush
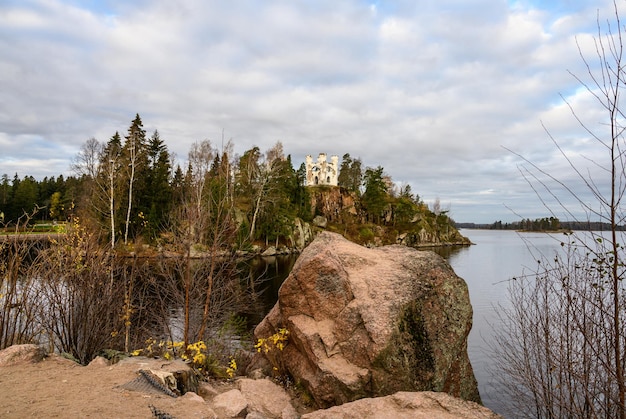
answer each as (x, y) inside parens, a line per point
(486, 267)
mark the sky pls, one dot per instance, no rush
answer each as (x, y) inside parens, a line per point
(456, 98)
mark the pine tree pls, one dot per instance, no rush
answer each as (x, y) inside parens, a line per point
(375, 196)
(344, 178)
(157, 196)
(178, 181)
(350, 173)
(301, 197)
(26, 194)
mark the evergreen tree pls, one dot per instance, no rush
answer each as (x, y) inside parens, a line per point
(301, 197)
(177, 185)
(157, 194)
(278, 211)
(26, 195)
(265, 188)
(216, 166)
(374, 198)
(405, 206)
(71, 195)
(350, 173)
(344, 179)
(248, 172)
(356, 173)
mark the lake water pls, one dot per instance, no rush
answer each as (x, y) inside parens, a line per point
(486, 267)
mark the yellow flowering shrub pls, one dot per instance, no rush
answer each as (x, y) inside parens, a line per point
(232, 368)
(272, 348)
(196, 354)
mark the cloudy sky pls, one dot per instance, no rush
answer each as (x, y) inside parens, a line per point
(436, 92)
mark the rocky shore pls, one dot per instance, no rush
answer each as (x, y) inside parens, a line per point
(38, 385)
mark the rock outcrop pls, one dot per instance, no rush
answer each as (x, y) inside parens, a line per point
(405, 405)
(21, 354)
(334, 204)
(372, 322)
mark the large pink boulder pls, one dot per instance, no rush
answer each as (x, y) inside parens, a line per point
(371, 322)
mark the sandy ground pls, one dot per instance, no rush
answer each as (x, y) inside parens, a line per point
(57, 387)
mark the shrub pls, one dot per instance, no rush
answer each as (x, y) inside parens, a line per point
(196, 354)
(272, 347)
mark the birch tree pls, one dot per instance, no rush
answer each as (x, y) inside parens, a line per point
(98, 165)
(133, 153)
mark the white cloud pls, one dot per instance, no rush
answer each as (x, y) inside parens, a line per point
(430, 92)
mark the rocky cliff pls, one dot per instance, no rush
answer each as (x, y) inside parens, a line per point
(403, 222)
(371, 322)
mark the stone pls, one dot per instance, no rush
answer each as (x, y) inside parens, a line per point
(205, 390)
(230, 404)
(372, 322)
(407, 405)
(21, 354)
(320, 221)
(99, 361)
(256, 374)
(301, 234)
(190, 396)
(266, 397)
(270, 251)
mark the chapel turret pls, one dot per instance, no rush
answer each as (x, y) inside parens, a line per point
(322, 172)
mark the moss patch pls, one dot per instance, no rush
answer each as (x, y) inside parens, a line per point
(407, 363)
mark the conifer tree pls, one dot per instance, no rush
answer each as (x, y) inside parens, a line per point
(343, 179)
(157, 196)
(26, 193)
(350, 173)
(301, 198)
(375, 196)
(177, 184)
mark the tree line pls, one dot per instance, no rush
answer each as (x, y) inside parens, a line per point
(538, 224)
(544, 224)
(131, 189)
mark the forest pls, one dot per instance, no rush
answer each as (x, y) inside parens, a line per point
(130, 190)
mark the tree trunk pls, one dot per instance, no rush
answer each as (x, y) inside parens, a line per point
(112, 206)
(130, 200)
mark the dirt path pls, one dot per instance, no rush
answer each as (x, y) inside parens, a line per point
(57, 387)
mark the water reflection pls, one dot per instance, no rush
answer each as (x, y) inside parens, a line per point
(447, 252)
(266, 275)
